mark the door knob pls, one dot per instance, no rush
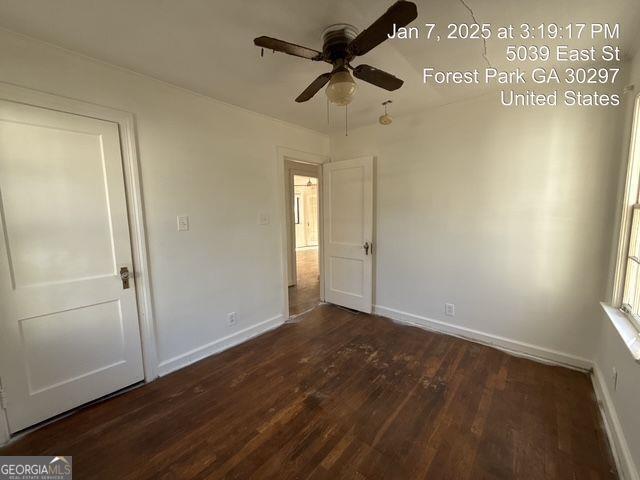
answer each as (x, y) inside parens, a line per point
(124, 276)
(366, 248)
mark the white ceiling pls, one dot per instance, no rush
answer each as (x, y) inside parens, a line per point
(207, 45)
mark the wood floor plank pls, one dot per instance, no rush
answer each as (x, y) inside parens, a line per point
(342, 395)
(306, 293)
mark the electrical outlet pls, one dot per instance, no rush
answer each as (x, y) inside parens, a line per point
(231, 318)
(614, 378)
(449, 309)
(263, 219)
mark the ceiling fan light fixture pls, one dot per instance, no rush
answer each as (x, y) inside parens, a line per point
(342, 88)
(341, 44)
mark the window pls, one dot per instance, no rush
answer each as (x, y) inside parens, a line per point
(631, 293)
(626, 292)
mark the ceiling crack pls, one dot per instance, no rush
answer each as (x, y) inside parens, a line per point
(484, 40)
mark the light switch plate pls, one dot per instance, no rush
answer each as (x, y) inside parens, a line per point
(263, 219)
(183, 223)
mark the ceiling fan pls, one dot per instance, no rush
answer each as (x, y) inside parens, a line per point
(341, 44)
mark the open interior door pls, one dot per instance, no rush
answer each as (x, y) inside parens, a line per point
(348, 237)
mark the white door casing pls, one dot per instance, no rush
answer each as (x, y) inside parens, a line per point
(70, 332)
(348, 233)
(283, 155)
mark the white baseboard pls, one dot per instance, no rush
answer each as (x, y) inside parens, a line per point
(624, 462)
(180, 361)
(508, 345)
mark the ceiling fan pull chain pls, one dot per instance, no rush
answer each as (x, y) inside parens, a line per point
(327, 110)
(262, 52)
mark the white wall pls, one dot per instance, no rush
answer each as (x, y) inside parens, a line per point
(621, 403)
(506, 213)
(211, 161)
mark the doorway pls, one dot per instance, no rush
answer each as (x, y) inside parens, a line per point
(345, 232)
(303, 205)
(305, 293)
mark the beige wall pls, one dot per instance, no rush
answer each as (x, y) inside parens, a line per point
(507, 213)
(211, 161)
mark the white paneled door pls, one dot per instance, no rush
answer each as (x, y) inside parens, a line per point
(68, 320)
(348, 232)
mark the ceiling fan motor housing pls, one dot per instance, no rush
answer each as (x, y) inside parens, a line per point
(335, 39)
(342, 43)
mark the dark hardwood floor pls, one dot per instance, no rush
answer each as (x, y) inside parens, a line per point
(340, 395)
(306, 293)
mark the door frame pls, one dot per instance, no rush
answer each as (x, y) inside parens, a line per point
(284, 155)
(135, 209)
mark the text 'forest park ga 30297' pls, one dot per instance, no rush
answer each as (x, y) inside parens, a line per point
(546, 56)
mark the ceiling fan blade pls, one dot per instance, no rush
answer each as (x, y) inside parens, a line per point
(286, 47)
(377, 77)
(315, 86)
(400, 13)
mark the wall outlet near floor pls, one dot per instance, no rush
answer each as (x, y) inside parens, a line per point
(450, 309)
(614, 378)
(231, 318)
(263, 219)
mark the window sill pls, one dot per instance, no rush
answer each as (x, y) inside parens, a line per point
(626, 328)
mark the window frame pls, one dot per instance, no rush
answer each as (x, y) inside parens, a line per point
(630, 204)
(632, 309)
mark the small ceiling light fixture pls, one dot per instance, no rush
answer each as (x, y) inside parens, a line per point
(385, 119)
(341, 88)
